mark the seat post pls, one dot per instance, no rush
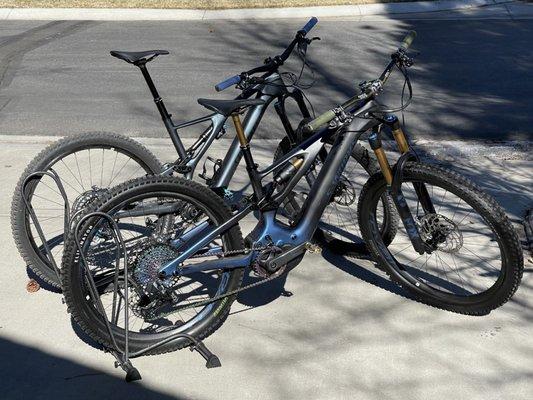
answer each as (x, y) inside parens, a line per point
(167, 118)
(240, 130)
(251, 166)
(157, 99)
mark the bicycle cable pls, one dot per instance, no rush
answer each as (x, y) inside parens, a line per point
(295, 79)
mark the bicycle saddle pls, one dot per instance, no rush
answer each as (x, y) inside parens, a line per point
(228, 107)
(137, 57)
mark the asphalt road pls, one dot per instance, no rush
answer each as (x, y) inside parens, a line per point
(471, 79)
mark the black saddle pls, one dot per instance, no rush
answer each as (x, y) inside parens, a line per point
(228, 107)
(138, 57)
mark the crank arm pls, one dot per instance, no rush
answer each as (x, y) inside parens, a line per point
(288, 256)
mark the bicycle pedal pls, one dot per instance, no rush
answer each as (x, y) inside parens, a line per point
(313, 248)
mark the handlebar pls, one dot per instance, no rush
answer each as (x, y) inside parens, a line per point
(234, 80)
(272, 63)
(329, 115)
(310, 24)
(408, 40)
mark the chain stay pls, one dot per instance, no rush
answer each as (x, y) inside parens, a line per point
(224, 295)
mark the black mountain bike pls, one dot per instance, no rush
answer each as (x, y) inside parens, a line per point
(455, 247)
(91, 163)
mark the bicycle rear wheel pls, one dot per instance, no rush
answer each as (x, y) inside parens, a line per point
(157, 308)
(476, 262)
(88, 165)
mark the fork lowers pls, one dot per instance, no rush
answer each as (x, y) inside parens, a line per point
(394, 184)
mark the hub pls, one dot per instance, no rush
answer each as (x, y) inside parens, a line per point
(440, 233)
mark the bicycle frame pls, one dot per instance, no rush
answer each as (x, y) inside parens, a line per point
(365, 114)
(272, 231)
(273, 89)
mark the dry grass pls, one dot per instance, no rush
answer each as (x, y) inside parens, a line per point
(190, 4)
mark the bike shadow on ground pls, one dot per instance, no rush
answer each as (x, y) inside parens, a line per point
(36, 373)
(271, 291)
(264, 294)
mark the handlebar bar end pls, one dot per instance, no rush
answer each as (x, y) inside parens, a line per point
(310, 24)
(234, 80)
(408, 40)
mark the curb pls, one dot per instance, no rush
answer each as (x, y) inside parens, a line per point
(134, 14)
(460, 149)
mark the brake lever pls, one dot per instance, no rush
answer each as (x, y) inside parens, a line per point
(250, 81)
(403, 59)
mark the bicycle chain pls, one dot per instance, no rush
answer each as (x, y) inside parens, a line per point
(216, 298)
(278, 274)
(221, 296)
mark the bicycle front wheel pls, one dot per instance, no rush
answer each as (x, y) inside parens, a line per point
(475, 264)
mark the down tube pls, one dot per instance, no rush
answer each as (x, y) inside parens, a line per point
(328, 178)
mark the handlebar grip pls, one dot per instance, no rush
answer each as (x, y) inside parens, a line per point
(322, 119)
(407, 40)
(227, 83)
(310, 24)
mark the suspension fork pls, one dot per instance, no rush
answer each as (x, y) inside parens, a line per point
(393, 178)
(403, 145)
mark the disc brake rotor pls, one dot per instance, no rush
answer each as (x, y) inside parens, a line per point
(441, 233)
(345, 193)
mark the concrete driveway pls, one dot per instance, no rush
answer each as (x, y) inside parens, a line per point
(346, 333)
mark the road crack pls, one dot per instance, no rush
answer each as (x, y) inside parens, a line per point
(14, 48)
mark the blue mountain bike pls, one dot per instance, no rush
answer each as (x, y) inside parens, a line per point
(90, 164)
(454, 249)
